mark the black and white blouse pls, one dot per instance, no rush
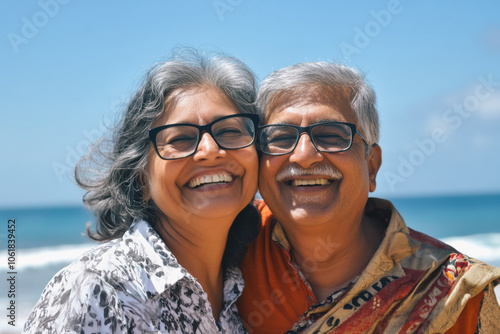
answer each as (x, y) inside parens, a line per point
(133, 284)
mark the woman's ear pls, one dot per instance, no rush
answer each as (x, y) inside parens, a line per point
(374, 163)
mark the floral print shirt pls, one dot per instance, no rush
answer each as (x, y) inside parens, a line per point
(133, 284)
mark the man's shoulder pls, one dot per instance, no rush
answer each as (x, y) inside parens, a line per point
(266, 214)
(269, 242)
(268, 224)
(431, 241)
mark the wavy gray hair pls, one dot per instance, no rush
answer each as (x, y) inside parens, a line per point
(113, 171)
(329, 77)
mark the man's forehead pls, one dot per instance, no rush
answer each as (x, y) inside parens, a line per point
(338, 98)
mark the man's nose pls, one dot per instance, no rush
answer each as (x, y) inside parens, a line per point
(305, 154)
(208, 148)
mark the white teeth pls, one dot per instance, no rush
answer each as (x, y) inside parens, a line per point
(322, 182)
(207, 179)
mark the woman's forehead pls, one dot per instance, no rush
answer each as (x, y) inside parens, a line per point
(185, 104)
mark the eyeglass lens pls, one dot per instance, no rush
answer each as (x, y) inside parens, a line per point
(182, 140)
(330, 137)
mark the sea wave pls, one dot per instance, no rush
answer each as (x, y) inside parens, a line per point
(45, 256)
(484, 247)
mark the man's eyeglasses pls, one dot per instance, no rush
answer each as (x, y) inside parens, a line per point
(177, 141)
(329, 137)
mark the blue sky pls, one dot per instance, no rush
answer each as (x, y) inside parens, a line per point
(67, 67)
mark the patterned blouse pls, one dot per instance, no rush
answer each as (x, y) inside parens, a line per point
(133, 284)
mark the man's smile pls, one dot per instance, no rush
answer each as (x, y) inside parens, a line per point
(312, 182)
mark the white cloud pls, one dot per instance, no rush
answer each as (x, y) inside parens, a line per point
(436, 121)
(490, 107)
(473, 104)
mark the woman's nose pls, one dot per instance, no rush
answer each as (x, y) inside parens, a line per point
(208, 148)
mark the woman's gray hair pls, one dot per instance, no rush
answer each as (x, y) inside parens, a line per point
(293, 79)
(113, 171)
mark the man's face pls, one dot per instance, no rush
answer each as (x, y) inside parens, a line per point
(308, 187)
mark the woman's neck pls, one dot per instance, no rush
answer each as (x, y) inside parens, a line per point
(199, 248)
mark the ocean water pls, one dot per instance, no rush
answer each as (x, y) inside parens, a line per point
(47, 239)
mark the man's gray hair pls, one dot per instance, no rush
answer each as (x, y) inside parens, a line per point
(114, 170)
(326, 76)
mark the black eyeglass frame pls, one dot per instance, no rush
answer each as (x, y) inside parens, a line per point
(201, 129)
(308, 130)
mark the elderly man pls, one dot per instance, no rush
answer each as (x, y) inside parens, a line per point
(328, 258)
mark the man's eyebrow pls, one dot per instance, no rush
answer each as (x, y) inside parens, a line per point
(327, 121)
(279, 123)
(321, 121)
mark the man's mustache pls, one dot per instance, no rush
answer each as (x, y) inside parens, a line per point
(291, 171)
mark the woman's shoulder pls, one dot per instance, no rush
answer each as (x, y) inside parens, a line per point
(96, 287)
(138, 258)
(91, 269)
(106, 256)
(121, 259)
(65, 302)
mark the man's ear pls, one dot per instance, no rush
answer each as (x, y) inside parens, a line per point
(374, 163)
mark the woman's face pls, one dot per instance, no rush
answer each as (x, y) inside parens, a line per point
(213, 183)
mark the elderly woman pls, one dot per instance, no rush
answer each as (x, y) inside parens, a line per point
(172, 201)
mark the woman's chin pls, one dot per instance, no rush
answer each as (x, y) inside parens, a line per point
(221, 208)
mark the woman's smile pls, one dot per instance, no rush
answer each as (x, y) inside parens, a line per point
(210, 179)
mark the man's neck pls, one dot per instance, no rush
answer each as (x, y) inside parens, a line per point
(332, 256)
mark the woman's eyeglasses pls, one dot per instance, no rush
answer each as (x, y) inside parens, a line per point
(177, 141)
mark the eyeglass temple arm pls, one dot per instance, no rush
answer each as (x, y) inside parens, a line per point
(362, 137)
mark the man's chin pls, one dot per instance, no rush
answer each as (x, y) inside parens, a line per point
(311, 209)
(305, 199)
